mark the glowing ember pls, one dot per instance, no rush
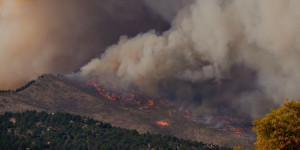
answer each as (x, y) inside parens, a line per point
(162, 123)
(186, 111)
(188, 118)
(236, 130)
(111, 92)
(150, 103)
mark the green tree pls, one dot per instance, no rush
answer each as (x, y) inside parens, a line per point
(279, 129)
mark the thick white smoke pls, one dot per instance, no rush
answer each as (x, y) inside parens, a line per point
(230, 54)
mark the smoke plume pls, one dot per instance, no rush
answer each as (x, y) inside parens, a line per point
(54, 36)
(226, 55)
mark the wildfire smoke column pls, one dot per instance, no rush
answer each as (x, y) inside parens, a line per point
(230, 56)
(54, 36)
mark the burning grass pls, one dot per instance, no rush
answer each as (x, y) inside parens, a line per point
(113, 93)
(129, 96)
(163, 123)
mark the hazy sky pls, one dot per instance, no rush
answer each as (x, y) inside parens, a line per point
(54, 36)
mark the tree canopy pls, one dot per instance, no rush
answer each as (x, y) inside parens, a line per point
(279, 129)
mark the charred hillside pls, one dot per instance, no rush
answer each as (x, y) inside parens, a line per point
(59, 94)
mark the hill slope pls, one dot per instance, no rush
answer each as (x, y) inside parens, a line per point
(64, 131)
(55, 93)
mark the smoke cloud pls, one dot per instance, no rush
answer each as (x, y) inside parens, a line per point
(54, 36)
(227, 55)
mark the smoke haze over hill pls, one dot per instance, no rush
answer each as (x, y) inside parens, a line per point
(228, 56)
(231, 56)
(54, 36)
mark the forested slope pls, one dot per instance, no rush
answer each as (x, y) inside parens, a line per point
(42, 130)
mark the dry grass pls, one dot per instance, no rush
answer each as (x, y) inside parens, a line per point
(52, 94)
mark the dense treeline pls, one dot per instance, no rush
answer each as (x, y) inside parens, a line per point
(41, 130)
(18, 89)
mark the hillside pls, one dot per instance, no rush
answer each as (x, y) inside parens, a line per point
(58, 94)
(64, 131)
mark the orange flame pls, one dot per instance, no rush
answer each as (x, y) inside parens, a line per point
(188, 118)
(150, 102)
(188, 112)
(128, 95)
(162, 123)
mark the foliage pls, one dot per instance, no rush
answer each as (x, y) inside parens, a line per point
(279, 129)
(42, 130)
